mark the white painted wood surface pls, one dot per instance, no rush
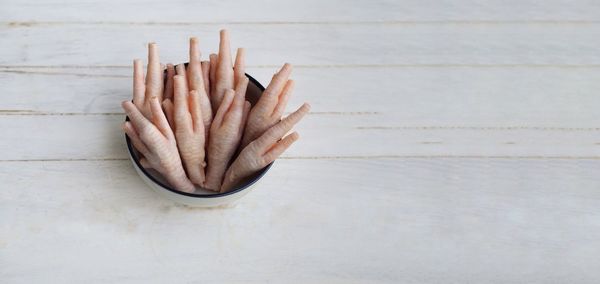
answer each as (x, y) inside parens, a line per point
(450, 142)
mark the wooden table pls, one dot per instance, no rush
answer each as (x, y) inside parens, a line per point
(450, 143)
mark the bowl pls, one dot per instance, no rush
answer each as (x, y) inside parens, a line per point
(201, 197)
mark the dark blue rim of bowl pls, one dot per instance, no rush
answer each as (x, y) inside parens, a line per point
(215, 195)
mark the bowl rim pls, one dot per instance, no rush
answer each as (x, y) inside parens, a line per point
(262, 172)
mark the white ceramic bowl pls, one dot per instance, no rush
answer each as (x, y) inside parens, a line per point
(201, 198)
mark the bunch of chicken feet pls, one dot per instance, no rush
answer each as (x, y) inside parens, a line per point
(205, 120)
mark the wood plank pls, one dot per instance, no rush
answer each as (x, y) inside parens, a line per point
(328, 136)
(405, 220)
(450, 142)
(355, 45)
(408, 97)
(181, 11)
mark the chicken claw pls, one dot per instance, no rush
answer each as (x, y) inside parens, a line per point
(189, 129)
(156, 142)
(197, 79)
(223, 75)
(270, 106)
(225, 134)
(264, 150)
(152, 86)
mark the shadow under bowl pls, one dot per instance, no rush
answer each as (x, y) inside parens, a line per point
(201, 197)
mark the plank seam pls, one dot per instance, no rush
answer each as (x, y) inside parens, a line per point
(11, 68)
(372, 157)
(17, 24)
(493, 128)
(14, 112)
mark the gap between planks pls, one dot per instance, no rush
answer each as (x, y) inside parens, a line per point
(424, 128)
(16, 68)
(383, 23)
(50, 70)
(39, 113)
(374, 157)
(492, 128)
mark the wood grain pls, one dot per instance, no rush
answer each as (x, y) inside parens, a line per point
(449, 142)
(100, 137)
(267, 11)
(408, 220)
(337, 44)
(402, 97)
